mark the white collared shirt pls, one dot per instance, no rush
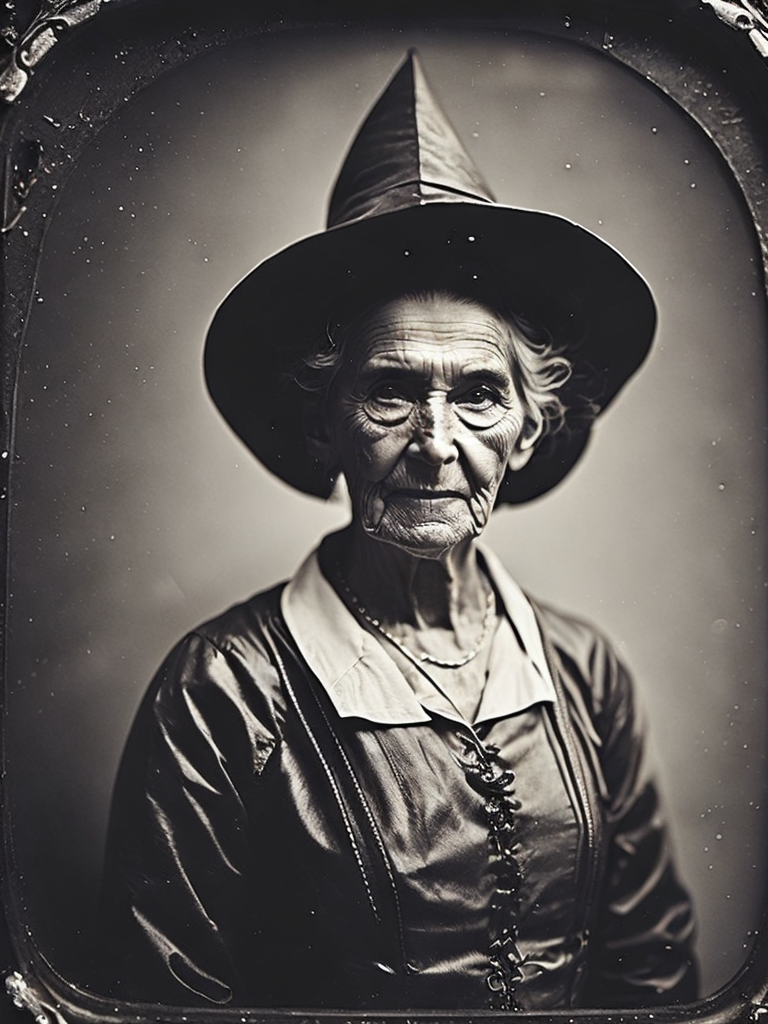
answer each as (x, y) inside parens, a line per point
(363, 681)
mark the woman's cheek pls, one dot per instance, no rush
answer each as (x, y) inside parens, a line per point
(491, 448)
(374, 447)
(385, 453)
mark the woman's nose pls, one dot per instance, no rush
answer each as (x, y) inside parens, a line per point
(433, 439)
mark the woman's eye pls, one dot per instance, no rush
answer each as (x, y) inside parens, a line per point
(388, 403)
(480, 407)
(387, 393)
(479, 398)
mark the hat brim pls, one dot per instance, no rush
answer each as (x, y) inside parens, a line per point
(592, 301)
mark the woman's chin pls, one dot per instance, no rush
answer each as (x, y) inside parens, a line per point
(426, 537)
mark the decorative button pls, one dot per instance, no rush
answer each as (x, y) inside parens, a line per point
(495, 982)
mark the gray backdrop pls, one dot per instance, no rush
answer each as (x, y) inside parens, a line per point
(136, 513)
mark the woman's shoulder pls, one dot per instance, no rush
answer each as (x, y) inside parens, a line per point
(215, 701)
(243, 628)
(588, 663)
(580, 655)
(571, 634)
(224, 661)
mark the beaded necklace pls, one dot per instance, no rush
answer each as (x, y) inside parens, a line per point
(423, 658)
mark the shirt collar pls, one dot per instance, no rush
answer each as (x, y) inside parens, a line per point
(361, 679)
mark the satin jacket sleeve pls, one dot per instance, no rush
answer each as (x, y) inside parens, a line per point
(641, 938)
(180, 921)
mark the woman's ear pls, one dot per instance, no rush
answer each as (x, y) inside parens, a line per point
(525, 445)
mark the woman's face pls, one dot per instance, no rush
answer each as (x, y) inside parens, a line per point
(425, 418)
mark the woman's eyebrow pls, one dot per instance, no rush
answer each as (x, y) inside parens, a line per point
(486, 374)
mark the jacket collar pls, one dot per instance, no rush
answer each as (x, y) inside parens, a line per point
(363, 681)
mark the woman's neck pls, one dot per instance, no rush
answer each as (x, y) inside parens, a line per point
(401, 589)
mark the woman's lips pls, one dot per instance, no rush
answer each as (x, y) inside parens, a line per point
(425, 494)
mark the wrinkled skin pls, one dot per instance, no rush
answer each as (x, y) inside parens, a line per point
(425, 418)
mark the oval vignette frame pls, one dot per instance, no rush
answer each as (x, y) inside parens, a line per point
(66, 48)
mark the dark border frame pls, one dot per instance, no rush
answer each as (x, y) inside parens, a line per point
(59, 50)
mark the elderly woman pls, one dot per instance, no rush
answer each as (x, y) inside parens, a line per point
(397, 782)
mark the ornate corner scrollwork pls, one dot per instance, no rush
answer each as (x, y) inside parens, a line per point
(24, 998)
(30, 46)
(750, 16)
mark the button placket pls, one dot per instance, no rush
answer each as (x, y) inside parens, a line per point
(489, 777)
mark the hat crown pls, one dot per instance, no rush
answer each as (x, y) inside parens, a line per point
(405, 154)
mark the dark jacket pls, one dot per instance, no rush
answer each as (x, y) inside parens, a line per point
(266, 852)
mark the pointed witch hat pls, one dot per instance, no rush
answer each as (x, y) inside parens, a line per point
(410, 210)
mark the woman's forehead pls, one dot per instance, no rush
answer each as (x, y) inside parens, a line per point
(423, 326)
